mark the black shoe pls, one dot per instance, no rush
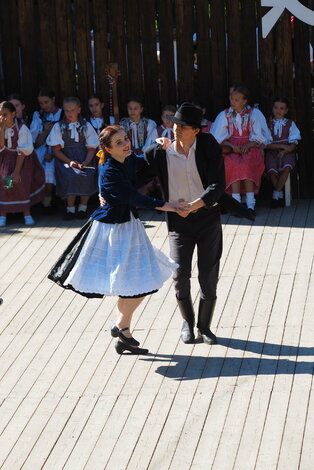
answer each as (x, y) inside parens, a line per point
(274, 204)
(69, 216)
(253, 213)
(207, 336)
(81, 215)
(115, 332)
(187, 333)
(121, 347)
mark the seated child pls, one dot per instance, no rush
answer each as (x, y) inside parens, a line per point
(166, 128)
(280, 153)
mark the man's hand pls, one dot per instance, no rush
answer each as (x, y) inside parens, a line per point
(183, 208)
(164, 142)
(102, 201)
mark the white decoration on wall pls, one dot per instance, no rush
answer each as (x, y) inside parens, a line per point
(278, 6)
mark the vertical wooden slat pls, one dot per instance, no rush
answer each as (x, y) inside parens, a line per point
(117, 48)
(249, 48)
(83, 51)
(10, 46)
(266, 67)
(218, 56)
(203, 89)
(100, 28)
(303, 102)
(49, 66)
(65, 49)
(149, 50)
(166, 67)
(184, 41)
(284, 67)
(134, 56)
(29, 53)
(234, 41)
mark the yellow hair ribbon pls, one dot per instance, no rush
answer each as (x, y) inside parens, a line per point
(101, 157)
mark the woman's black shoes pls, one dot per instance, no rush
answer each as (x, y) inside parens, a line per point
(116, 332)
(121, 347)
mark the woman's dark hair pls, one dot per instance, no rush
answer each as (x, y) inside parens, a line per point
(281, 99)
(72, 99)
(243, 90)
(16, 96)
(169, 107)
(136, 99)
(96, 97)
(46, 91)
(7, 105)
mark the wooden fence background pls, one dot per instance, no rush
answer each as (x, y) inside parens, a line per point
(66, 45)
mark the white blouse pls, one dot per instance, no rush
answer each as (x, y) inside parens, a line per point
(37, 126)
(259, 131)
(55, 136)
(294, 133)
(24, 141)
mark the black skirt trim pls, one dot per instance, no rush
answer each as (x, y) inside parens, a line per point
(137, 296)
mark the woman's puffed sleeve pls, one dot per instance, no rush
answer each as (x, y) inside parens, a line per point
(151, 134)
(55, 136)
(259, 131)
(91, 136)
(36, 126)
(25, 141)
(219, 128)
(294, 134)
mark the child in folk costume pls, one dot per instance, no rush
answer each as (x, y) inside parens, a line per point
(40, 128)
(142, 133)
(22, 177)
(141, 130)
(166, 128)
(280, 153)
(239, 131)
(74, 144)
(20, 107)
(96, 107)
(112, 253)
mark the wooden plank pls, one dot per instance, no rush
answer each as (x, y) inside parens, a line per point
(101, 54)
(10, 47)
(65, 47)
(117, 51)
(147, 15)
(49, 66)
(165, 21)
(83, 52)
(218, 48)
(203, 76)
(284, 65)
(28, 34)
(134, 55)
(184, 44)
(234, 41)
(266, 65)
(249, 59)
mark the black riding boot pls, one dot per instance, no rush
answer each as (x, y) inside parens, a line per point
(187, 312)
(205, 315)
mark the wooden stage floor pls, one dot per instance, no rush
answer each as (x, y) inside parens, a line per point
(68, 401)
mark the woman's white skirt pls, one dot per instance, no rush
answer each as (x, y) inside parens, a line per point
(119, 259)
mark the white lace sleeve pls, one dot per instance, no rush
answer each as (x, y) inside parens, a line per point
(25, 141)
(151, 134)
(259, 131)
(219, 128)
(91, 136)
(294, 134)
(55, 136)
(36, 126)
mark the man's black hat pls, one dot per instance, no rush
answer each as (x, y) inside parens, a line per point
(187, 115)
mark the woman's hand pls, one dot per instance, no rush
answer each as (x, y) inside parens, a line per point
(164, 142)
(16, 176)
(75, 164)
(48, 157)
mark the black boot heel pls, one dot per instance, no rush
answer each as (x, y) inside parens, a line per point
(121, 347)
(115, 332)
